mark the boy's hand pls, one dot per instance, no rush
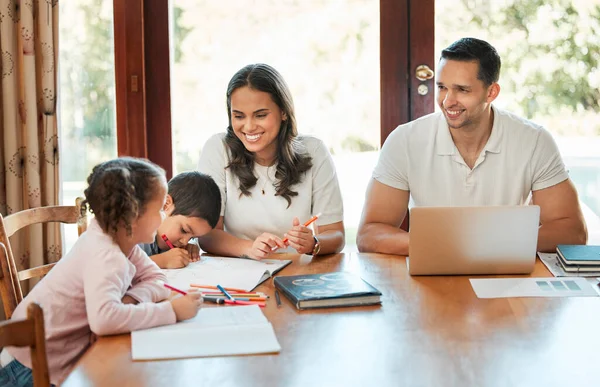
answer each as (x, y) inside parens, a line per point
(194, 252)
(186, 307)
(173, 259)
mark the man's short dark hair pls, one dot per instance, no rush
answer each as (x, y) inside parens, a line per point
(196, 195)
(476, 50)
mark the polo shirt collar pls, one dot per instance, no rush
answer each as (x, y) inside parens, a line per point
(445, 145)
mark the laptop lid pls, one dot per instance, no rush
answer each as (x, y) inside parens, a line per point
(473, 240)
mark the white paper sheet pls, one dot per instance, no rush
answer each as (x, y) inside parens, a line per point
(532, 287)
(220, 331)
(228, 272)
(551, 262)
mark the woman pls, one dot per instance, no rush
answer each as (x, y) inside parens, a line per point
(270, 178)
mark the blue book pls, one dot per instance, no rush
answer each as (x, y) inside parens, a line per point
(327, 290)
(582, 255)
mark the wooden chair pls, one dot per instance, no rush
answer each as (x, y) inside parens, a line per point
(29, 333)
(10, 278)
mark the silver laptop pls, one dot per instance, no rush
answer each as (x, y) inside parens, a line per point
(473, 240)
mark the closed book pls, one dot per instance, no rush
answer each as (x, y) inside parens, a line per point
(584, 269)
(327, 290)
(583, 255)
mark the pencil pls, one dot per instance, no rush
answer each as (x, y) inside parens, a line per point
(306, 224)
(225, 292)
(236, 294)
(214, 287)
(167, 241)
(277, 298)
(237, 302)
(173, 288)
(252, 299)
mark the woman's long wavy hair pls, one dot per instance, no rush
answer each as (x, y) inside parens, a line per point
(292, 157)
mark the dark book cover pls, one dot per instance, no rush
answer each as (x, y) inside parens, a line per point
(579, 254)
(327, 290)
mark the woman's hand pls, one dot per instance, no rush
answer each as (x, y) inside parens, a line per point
(264, 245)
(301, 238)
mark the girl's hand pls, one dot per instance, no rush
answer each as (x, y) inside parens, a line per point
(301, 238)
(186, 307)
(173, 259)
(194, 252)
(264, 244)
(129, 300)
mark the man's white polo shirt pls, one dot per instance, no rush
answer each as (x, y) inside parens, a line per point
(421, 157)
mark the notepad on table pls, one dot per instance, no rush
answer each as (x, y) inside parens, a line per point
(235, 273)
(240, 330)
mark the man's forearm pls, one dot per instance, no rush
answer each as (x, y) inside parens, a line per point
(382, 238)
(561, 232)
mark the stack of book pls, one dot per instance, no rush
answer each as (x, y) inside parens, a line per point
(579, 258)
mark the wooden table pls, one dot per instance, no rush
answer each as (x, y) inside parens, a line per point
(429, 331)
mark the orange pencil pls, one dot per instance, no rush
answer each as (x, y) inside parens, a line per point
(306, 224)
(214, 287)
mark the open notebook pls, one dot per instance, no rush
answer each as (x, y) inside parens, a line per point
(219, 331)
(235, 273)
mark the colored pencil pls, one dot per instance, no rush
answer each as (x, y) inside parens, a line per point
(167, 241)
(173, 288)
(214, 287)
(306, 224)
(225, 292)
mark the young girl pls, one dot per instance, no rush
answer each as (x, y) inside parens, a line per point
(106, 284)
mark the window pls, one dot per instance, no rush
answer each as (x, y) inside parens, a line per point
(87, 95)
(332, 69)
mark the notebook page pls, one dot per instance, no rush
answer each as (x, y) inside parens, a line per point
(228, 272)
(213, 332)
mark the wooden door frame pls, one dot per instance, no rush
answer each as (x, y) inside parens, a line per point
(142, 79)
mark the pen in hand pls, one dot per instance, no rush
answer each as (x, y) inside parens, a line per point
(306, 224)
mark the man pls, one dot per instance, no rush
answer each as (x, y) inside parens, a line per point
(469, 154)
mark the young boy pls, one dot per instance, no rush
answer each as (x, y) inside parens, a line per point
(192, 209)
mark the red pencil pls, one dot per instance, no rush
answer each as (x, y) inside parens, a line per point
(167, 241)
(239, 302)
(173, 288)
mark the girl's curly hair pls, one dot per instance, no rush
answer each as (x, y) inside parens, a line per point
(119, 190)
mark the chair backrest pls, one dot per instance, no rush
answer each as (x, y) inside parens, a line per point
(29, 333)
(10, 277)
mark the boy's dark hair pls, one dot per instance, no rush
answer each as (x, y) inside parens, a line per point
(197, 195)
(476, 50)
(119, 190)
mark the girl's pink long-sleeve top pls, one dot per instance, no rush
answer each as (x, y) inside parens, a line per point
(82, 294)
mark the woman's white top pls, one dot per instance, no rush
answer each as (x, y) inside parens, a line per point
(249, 216)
